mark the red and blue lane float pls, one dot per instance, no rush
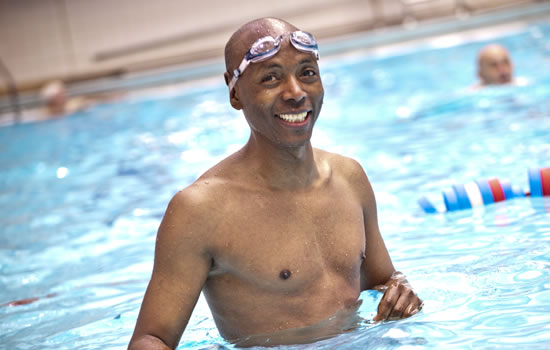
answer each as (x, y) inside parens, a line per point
(483, 192)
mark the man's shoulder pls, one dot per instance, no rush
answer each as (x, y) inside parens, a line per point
(339, 163)
(194, 211)
(212, 190)
(347, 171)
(205, 191)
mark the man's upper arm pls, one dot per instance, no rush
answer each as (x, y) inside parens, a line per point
(377, 267)
(180, 270)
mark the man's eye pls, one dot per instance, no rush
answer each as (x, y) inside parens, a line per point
(269, 78)
(309, 73)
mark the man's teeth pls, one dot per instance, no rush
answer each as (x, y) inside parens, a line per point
(293, 118)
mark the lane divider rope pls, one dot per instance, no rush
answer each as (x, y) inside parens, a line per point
(484, 192)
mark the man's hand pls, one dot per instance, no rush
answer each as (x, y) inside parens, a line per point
(398, 301)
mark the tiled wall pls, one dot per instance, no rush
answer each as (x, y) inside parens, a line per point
(44, 39)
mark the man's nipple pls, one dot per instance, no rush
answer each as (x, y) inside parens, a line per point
(285, 274)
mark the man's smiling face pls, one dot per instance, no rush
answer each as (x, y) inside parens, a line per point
(282, 96)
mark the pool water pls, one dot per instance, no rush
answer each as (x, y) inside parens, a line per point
(82, 197)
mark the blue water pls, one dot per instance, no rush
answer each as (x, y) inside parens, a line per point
(81, 199)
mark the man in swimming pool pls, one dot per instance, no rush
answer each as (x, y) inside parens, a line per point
(494, 66)
(279, 236)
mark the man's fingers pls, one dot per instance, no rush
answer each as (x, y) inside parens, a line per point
(400, 307)
(407, 305)
(398, 303)
(386, 304)
(414, 308)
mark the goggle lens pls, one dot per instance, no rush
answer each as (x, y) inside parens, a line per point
(303, 38)
(263, 48)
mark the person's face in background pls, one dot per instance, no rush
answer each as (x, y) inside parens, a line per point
(55, 96)
(58, 100)
(495, 66)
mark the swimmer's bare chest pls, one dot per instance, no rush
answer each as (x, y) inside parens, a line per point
(295, 238)
(296, 257)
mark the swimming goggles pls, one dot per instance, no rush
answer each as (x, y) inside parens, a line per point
(267, 47)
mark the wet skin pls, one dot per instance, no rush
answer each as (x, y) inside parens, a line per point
(278, 236)
(288, 83)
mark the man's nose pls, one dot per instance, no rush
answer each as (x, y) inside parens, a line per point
(503, 68)
(293, 91)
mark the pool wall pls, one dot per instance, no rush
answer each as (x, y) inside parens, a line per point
(118, 55)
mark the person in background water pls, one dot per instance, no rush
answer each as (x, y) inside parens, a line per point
(280, 237)
(57, 104)
(494, 67)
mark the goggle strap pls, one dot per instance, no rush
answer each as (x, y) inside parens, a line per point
(237, 73)
(232, 82)
(244, 63)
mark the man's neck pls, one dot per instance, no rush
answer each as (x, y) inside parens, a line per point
(283, 168)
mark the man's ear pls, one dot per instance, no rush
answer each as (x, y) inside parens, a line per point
(233, 97)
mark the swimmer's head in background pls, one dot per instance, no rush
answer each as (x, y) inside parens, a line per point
(494, 65)
(54, 94)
